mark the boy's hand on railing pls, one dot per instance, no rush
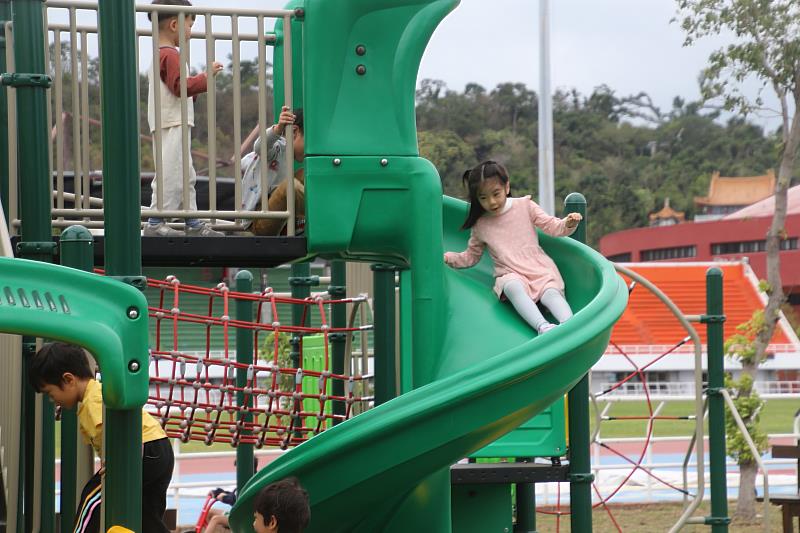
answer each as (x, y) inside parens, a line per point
(216, 68)
(286, 118)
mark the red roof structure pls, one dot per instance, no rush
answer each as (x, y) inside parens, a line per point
(648, 326)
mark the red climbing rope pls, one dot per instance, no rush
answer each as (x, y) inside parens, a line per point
(201, 393)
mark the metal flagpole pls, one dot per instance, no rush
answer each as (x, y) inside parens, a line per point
(546, 164)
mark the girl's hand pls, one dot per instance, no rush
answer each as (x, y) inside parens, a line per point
(445, 259)
(216, 68)
(572, 220)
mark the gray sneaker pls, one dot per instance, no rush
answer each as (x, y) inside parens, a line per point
(202, 230)
(161, 230)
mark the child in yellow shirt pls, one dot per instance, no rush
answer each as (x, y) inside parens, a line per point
(62, 372)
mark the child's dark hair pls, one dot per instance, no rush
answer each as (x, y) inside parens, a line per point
(472, 179)
(164, 16)
(287, 501)
(298, 119)
(53, 360)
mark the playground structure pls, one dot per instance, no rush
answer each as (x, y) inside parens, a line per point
(387, 469)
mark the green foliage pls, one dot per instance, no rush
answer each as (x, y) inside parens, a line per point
(624, 153)
(749, 404)
(451, 155)
(266, 353)
(766, 47)
(741, 346)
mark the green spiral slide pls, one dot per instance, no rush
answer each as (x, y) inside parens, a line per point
(377, 472)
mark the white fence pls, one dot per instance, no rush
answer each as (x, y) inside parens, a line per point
(686, 388)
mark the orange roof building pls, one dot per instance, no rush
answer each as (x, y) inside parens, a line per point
(648, 329)
(726, 194)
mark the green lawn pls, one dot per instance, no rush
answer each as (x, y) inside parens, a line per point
(776, 417)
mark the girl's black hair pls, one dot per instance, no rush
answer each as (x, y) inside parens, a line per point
(472, 179)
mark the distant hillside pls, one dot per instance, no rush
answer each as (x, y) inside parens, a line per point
(623, 154)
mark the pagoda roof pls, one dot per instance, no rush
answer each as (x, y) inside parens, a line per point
(727, 191)
(667, 212)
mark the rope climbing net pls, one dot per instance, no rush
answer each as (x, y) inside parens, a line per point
(604, 495)
(286, 393)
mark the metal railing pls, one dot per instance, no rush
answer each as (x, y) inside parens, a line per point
(74, 97)
(658, 349)
(686, 388)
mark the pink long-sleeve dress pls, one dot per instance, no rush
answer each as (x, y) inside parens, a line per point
(514, 247)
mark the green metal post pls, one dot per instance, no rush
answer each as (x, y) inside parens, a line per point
(526, 508)
(300, 283)
(121, 176)
(5, 15)
(32, 128)
(714, 319)
(121, 188)
(77, 251)
(33, 154)
(26, 510)
(338, 290)
(244, 355)
(578, 399)
(384, 332)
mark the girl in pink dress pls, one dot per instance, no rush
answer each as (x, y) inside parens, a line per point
(524, 274)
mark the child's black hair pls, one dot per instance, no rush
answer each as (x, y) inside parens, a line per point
(298, 119)
(287, 501)
(164, 16)
(53, 360)
(472, 179)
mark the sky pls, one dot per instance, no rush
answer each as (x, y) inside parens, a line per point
(629, 45)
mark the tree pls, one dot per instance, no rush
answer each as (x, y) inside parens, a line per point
(768, 50)
(742, 347)
(451, 156)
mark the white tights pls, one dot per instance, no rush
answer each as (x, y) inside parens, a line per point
(552, 299)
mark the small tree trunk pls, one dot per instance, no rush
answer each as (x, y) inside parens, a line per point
(745, 508)
(746, 503)
(774, 237)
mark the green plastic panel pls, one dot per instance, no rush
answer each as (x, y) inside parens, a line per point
(314, 359)
(545, 435)
(60, 303)
(373, 112)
